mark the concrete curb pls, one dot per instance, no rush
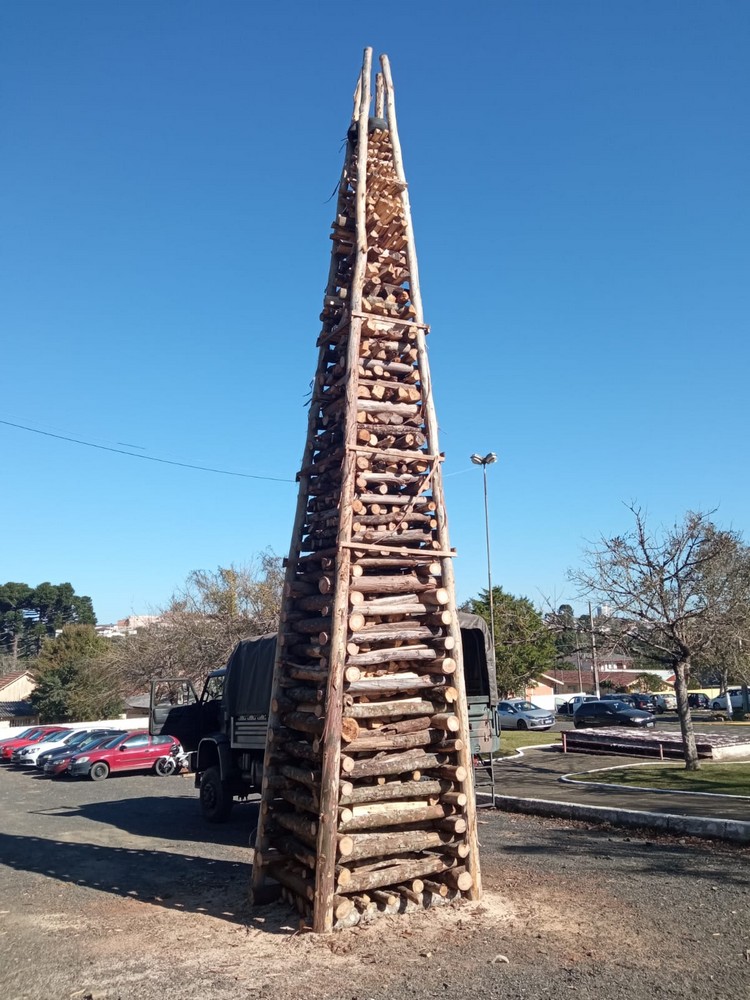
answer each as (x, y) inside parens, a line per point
(733, 830)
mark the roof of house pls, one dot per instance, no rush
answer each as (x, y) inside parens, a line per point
(7, 679)
(549, 678)
(618, 678)
(16, 710)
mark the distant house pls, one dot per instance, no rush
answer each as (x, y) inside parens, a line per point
(543, 689)
(17, 714)
(126, 626)
(137, 706)
(571, 681)
(15, 708)
(16, 686)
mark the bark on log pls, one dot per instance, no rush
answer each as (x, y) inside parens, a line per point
(305, 829)
(300, 886)
(397, 873)
(395, 790)
(389, 709)
(399, 741)
(378, 815)
(400, 763)
(393, 683)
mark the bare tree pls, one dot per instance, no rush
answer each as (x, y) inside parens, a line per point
(680, 592)
(203, 622)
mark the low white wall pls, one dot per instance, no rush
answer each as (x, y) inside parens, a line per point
(125, 724)
(546, 701)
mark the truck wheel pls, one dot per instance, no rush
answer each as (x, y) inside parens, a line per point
(216, 802)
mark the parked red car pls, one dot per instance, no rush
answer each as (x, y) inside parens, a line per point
(135, 751)
(25, 737)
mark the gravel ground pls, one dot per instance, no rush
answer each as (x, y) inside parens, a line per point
(117, 889)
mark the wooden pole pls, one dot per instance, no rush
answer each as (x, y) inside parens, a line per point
(323, 915)
(465, 757)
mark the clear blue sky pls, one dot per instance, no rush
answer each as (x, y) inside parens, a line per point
(579, 177)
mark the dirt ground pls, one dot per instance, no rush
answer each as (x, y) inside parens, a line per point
(118, 890)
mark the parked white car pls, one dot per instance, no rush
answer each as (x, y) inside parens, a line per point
(665, 702)
(516, 713)
(27, 756)
(735, 693)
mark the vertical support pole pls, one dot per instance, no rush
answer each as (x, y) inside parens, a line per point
(331, 742)
(430, 417)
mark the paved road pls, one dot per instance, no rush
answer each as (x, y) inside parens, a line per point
(537, 775)
(118, 889)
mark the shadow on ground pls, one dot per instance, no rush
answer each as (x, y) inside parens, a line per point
(188, 883)
(166, 817)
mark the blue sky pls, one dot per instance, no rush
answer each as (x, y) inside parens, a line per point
(579, 182)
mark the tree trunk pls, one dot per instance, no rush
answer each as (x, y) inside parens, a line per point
(683, 710)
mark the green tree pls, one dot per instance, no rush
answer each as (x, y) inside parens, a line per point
(566, 631)
(647, 682)
(524, 645)
(28, 615)
(76, 678)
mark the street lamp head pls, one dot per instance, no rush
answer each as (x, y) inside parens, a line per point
(487, 460)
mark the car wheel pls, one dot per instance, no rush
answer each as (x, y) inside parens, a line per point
(99, 771)
(216, 802)
(717, 707)
(577, 725)
(521, 724)
(660, 710)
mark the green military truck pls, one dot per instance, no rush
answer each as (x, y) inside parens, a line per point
(224, 729)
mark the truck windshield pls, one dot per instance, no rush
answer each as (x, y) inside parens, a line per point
(214, 688)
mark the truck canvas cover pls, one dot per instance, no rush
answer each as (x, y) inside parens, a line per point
(249, 671)
(479, 656)
(247, 689)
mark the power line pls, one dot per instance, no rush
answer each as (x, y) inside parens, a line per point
(147, 458)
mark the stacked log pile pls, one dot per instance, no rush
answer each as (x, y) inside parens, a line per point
(368, 801)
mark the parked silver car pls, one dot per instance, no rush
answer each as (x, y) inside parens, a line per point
(516, 713)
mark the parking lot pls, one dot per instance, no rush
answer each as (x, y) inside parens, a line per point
(117, 889)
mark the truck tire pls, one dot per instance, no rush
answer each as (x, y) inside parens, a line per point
(216, 801)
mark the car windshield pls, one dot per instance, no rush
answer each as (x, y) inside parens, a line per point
(52, 736)
(95, 741)
(525, 706)
(618, 706)
(75, 738)
(113, 741)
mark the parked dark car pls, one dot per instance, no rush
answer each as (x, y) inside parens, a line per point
(569, 707)
(55, 762)
(611, 713)
(643, 702)
(699, 700)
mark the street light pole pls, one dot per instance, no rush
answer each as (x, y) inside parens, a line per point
(484, 462)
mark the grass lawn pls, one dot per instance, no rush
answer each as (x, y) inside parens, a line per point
(728, 779)
(515, 739)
